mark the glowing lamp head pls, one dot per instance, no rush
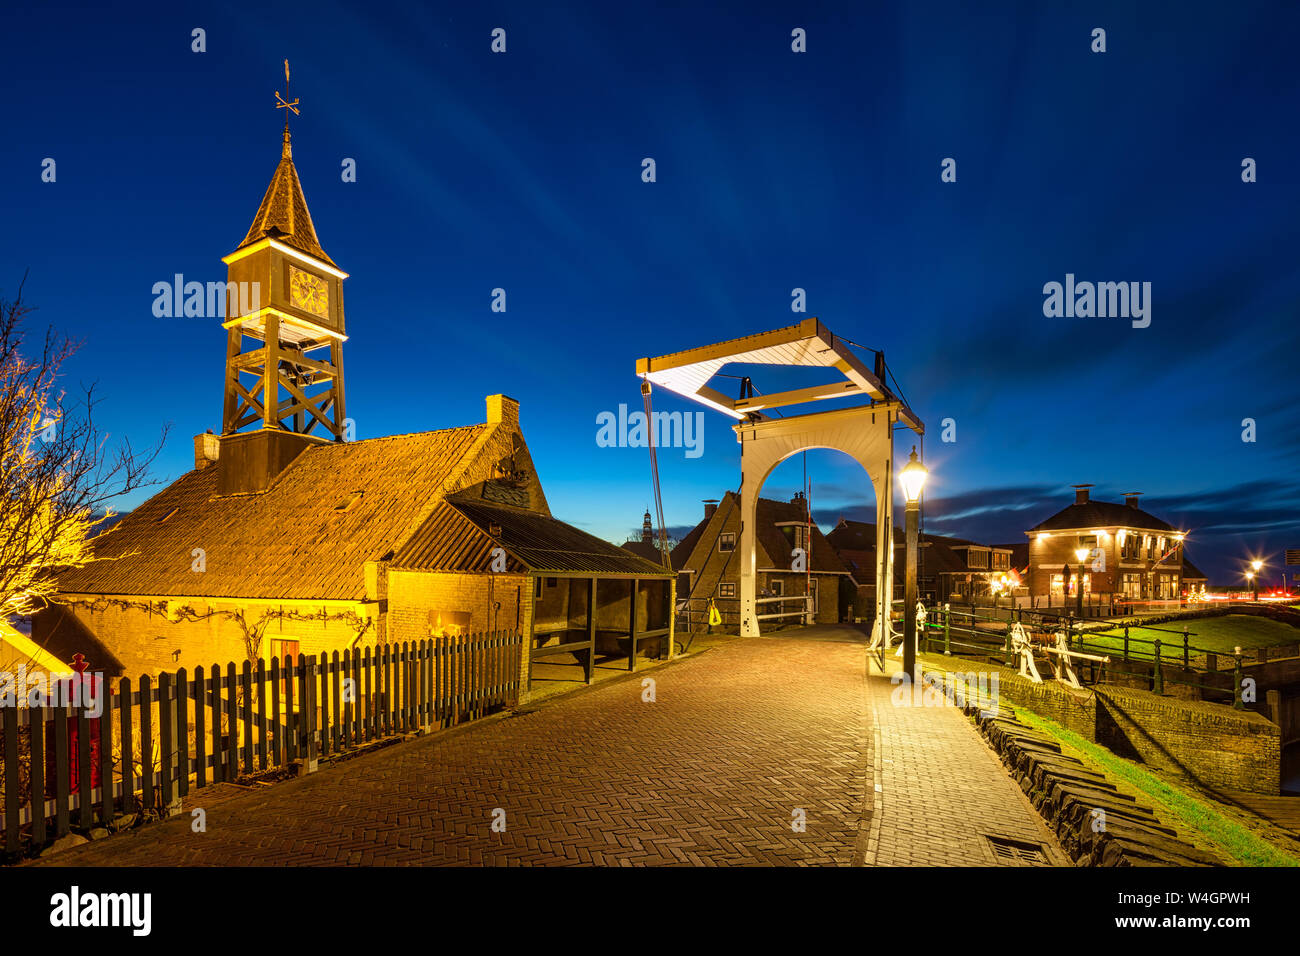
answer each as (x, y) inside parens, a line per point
(1250, 575)
(1256, 565)
(1082, 554)
(913, 478)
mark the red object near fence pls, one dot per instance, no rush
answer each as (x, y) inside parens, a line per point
(83, 690)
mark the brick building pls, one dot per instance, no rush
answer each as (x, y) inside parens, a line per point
(281, 541)
(1133, 556)
(707, 562)
(948, 569)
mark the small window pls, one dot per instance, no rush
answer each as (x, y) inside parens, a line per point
(551, 582)
(726, 590)
(727, 541)
(778, 587)
(537, 587)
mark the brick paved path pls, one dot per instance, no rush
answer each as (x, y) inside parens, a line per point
(711, 773)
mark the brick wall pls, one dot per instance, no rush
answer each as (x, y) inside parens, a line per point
(1212, 744)
(148, 640)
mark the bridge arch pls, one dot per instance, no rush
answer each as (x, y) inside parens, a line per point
(864, 434)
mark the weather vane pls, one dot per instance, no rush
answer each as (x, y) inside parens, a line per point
(283, 103)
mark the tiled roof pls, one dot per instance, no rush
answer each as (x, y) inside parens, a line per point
(283, 214)
(291, 541)
(773, 545)
(460, 536)
(644, 549)
(1100, 514)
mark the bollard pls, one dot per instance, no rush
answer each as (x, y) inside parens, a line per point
(1237, 702)
(1010, 655)
(1159, 677)
(1125, 642)
(947, 642)
(1187, 649)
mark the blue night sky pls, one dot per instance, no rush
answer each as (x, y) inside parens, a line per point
(775, 170)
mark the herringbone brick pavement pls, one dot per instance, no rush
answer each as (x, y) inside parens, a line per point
(711, 773)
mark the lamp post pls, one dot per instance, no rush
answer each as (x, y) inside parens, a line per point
(912, 477)
(1253, 576)
(1082, 555)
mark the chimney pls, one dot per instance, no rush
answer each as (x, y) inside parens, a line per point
(502, 409)
(710, 506)
(1081, 494)
(206, 449)
(1131, 498)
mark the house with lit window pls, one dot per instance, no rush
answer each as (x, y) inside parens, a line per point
(948, 568)
(707, 562)
(1119, 554)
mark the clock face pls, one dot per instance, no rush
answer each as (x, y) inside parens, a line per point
(309, 293)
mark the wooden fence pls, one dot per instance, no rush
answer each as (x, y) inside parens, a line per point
(96, 750)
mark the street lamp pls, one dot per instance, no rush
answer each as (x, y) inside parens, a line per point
(912, 478)
(1082, 555)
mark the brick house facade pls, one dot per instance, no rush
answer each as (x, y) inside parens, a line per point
(707, 562)
(1133, 556)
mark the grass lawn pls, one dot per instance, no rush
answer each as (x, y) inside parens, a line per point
(1216, 634)
(1198, 820)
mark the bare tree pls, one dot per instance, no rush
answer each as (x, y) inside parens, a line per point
(58, 473)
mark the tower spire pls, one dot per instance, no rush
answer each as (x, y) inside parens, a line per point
(284, 103)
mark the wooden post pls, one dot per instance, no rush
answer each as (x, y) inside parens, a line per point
(232, 721)
(85, 774)
(165, 739)
(325, 722)
(181, 690)
(309, 707)
(334, 728)
(128, 757)
(366, 725)
(10, 715)
(36, 727)
(307, 716)
(1187, 650)
(1237, 675)
(1159, 677)
(672, 617)
(261, 715)
(246, 685)
(631, 626)
(947, 637)
(591, 630)
(214, 705)
(146, 742)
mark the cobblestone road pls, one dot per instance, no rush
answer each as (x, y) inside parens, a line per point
(712, 773)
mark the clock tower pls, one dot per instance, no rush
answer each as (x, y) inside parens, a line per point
(284, 354)
(284, 336)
